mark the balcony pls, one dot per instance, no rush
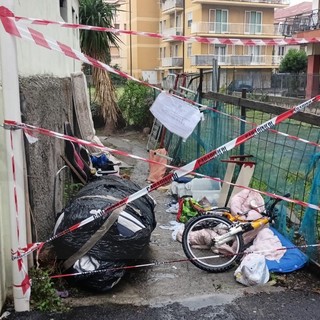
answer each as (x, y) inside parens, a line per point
(307, 21)
(248, 29)
(171, 5)
(266, 3)
(235, 60)
(172, 62)
(177, 31)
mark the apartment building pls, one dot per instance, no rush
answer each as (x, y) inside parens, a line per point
(306, 24)
(137, 55)
(153, 59)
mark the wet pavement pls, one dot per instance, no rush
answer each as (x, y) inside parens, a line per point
(294, 305)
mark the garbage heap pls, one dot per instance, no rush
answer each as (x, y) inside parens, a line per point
(98, 252)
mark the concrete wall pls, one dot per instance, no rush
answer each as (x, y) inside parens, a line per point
(47, 93)
(48, 104)
(33, 59)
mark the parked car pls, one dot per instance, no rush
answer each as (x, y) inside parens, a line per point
(238, 85)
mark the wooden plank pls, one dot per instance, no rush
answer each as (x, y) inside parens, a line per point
(74, 170)
(82, 106)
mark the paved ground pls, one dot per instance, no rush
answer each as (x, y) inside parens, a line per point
(180, 290)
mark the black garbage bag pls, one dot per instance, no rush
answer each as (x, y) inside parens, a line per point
(124, 242)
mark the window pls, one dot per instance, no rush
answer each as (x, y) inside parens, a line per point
(218, 20)
(256, 53)
(254, 50)
(219, 50)
(64, 10)
(174, 49)
(172, 21)
(281, 50)
(253, 22)
(189, 19)
(75, 21)
(117, 26)
(189, 50)
(178, 21)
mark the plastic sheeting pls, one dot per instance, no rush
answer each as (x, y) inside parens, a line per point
(123, 244)
(308, 226)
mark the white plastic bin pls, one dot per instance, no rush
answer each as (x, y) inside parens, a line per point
(180, 189)
(204, 187)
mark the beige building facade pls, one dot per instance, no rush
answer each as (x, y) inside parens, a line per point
(153, 59)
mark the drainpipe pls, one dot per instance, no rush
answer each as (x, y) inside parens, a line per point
(11, 101)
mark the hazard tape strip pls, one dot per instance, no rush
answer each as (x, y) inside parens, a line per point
(31, 130)
(190, 167)
(21, 31)
(161, 263)
(27, 33)
(208, 40)
(292, 137)
(13, 28)
(25, 284)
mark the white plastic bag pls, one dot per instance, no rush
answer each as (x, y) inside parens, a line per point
(253, 270)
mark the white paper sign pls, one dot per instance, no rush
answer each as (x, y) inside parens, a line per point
(176, 115)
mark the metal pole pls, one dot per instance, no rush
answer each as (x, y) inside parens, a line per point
(243, 116)
(130, 37)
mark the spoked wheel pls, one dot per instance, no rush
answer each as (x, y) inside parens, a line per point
(199, 244)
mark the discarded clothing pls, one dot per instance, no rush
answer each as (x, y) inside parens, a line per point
(267, 244)
(247, 203)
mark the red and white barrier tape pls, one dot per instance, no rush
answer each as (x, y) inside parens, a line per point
(190, 167)
(161, 263)
(21, 31)
(32, 129)
(25, 284)
(292, 137)
(13, 28)
(208, 40)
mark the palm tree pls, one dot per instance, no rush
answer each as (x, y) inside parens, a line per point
(97, 45)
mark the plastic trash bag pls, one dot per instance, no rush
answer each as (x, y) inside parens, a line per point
(252, 270)
(123, 244)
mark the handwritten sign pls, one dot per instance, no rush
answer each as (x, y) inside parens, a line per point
(176, 115)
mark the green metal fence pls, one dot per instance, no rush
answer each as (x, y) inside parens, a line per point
(281, 162)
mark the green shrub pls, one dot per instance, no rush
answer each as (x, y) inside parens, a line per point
(135, 103)
(117, 80)
(44, 296)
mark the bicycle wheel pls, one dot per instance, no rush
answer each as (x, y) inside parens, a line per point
(198, 242)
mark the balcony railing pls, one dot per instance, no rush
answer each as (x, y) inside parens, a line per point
(235, 60)
(172, 4)
(234, 28)
(172, 62)
(172, 31)
(275, 2)
(299, 23)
